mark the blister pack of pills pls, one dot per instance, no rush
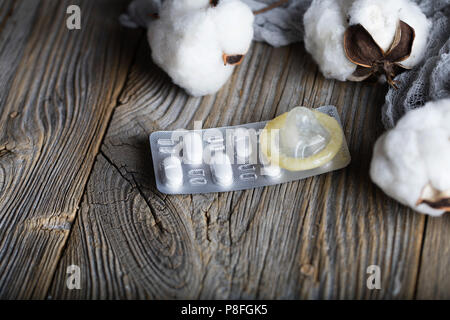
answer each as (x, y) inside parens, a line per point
(296, 145)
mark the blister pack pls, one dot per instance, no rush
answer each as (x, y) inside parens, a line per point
(293, 146)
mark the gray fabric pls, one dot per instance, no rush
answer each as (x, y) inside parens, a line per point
(431, 79)
(139, 13)
(284, 25)
(278, 27)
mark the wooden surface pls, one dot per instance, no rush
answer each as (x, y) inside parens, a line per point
(77, 184)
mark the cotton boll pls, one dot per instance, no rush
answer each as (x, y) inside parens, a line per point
(415, 155)
(325, 24)
(413, 16)
(234, 17)
(401, 183)
(380, 18)
(190, 37)
(430, 141)
(190, 53)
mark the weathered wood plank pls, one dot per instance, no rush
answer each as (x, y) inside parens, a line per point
(13, 39)
(57, 94)
(433, 281)
(307, 239)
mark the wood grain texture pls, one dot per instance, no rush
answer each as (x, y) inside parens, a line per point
(307, 239)
(57, 91)
(13, 40)
(433, 281)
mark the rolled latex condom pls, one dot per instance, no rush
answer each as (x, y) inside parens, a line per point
(221, 169)
(192, 148)
(301, 139)
(173, 172)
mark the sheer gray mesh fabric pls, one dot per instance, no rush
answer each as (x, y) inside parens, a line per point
(430, 80)
(284, 25)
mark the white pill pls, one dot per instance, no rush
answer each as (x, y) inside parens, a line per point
(173, 171)
(268, 169)
(243, 146)
(221, 169)
(193, 148)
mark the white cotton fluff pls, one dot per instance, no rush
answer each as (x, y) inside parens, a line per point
(326, 21)
(325, 24)
(190, 37)
(414, 154)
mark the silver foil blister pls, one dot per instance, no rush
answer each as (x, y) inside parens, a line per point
(253, 172)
